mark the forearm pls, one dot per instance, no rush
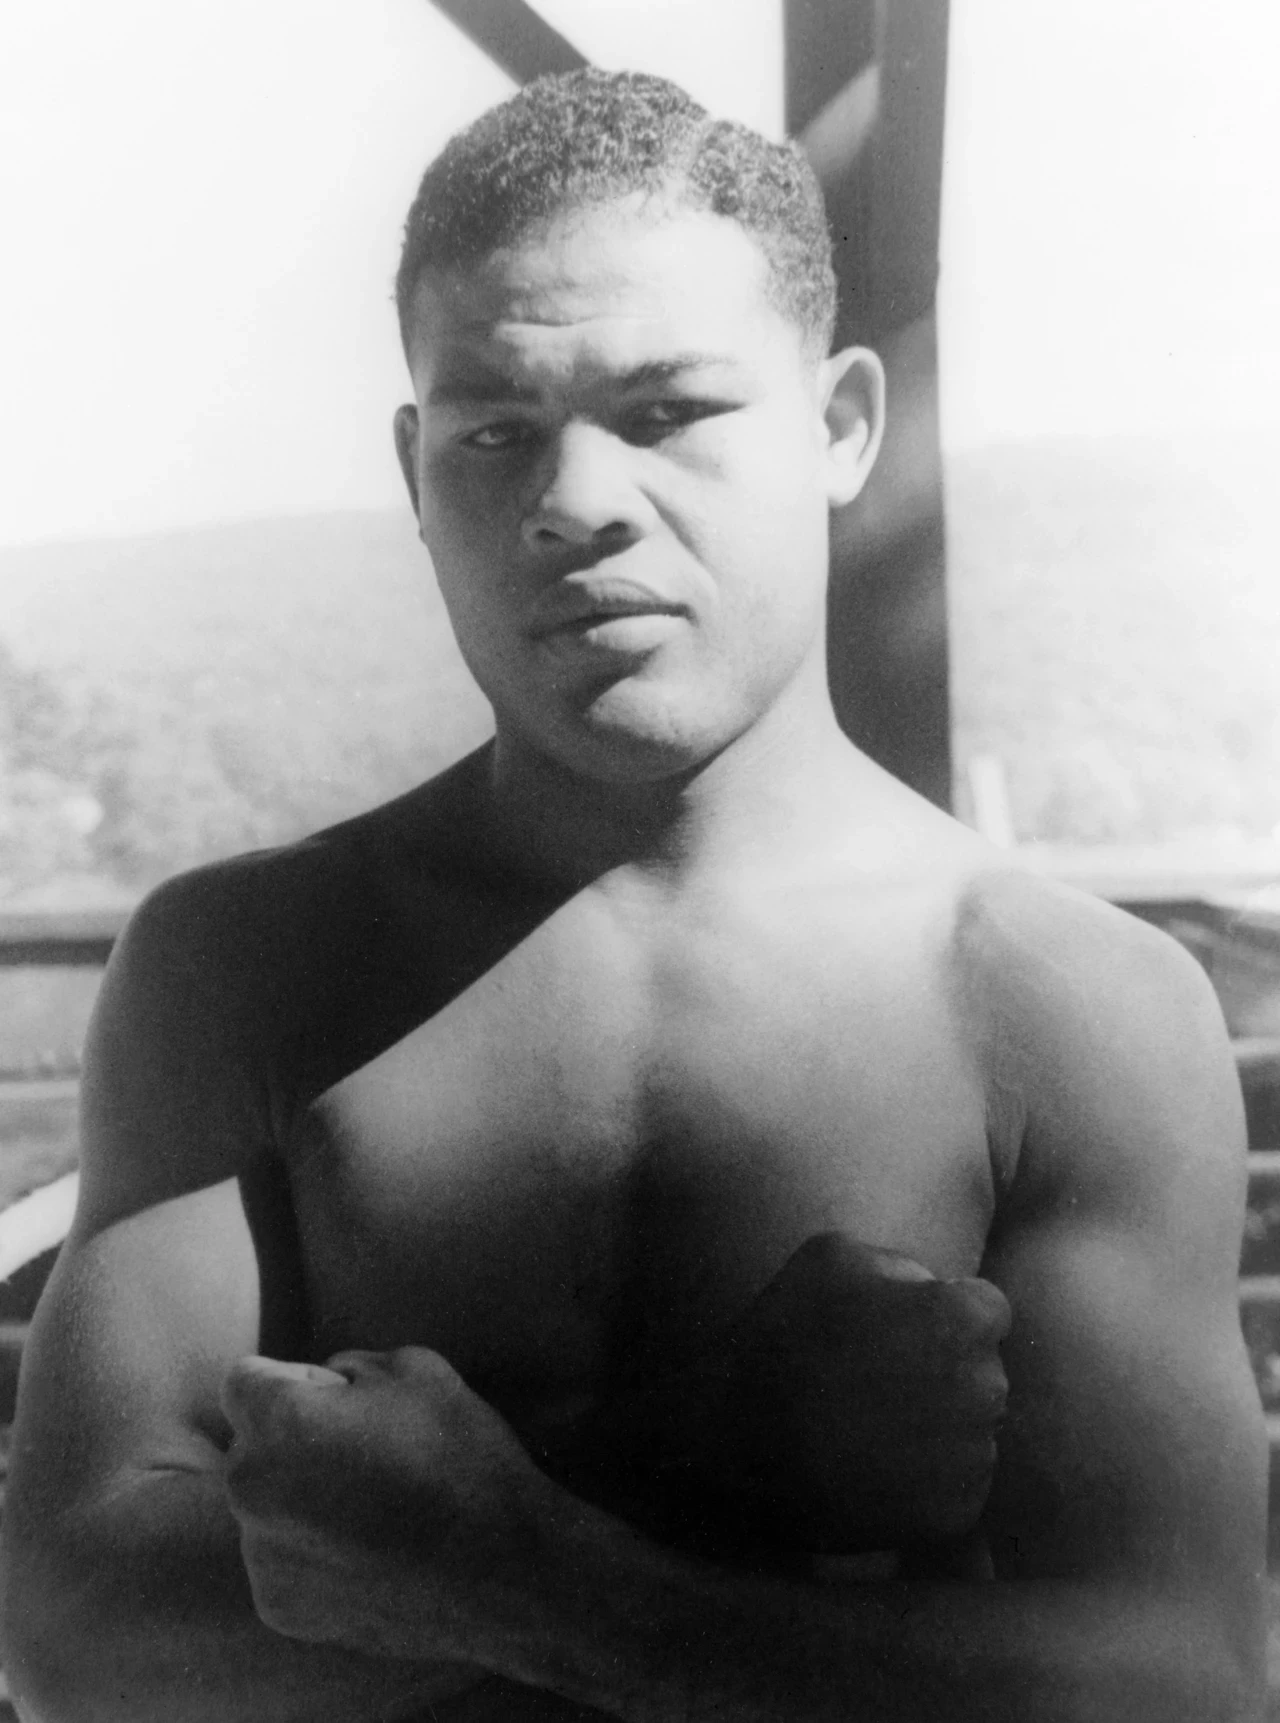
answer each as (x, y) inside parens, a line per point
(137, 1610)
(650, 1637)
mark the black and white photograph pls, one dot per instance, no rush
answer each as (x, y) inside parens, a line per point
(639, 861)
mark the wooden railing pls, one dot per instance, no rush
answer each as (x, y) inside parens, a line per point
(43, 937)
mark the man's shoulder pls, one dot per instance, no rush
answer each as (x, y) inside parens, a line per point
(267, 905)
(1026, 955)
(1039, 950)
(1099, 1033)
(239, 979)
(1024, 939)
(250, 944)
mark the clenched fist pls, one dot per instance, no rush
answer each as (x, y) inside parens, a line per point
(382, 1505)
(854, 1406)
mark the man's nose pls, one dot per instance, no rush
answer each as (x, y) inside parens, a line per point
(583, 491)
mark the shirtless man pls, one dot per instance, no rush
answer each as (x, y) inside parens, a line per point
(666, 1126)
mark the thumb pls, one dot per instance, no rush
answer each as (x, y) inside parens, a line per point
(894, 1265)
(253, 1383)
(837, 1258)
(830, 1275)
(256, 1368)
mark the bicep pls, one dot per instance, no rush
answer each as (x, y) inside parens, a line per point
(156, 1290)
(1134, 1445)
(138, 1325)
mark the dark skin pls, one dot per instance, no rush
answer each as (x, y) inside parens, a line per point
(649, 1156)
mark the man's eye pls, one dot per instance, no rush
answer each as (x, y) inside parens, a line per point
(657, 419)
(496, 438)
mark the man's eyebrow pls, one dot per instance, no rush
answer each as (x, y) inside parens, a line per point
(658, 371)
(490, 391)
(478, 392)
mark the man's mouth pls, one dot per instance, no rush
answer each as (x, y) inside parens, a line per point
(576, 605)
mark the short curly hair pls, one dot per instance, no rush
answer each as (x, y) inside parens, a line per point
(588, 138)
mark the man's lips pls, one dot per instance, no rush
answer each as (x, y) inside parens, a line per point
(574, 604)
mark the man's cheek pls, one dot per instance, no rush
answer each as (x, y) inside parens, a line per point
(468, 502)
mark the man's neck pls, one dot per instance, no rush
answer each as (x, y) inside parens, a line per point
(776, 780)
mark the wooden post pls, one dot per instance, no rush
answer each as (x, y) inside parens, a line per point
(865, 88)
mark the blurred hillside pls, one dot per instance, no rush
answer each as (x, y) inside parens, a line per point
(1116, 636)
(169, 699)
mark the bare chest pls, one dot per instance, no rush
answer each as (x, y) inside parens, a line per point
(597, 1153)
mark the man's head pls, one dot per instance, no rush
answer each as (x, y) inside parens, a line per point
(627, 432)
(594, 138)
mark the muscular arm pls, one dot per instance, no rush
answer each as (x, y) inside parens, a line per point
(125, 1592)
(1127, 1519)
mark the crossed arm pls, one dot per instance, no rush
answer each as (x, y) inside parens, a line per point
(1125, 1524)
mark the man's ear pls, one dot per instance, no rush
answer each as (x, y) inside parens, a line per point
(406, 432)
(853, 411)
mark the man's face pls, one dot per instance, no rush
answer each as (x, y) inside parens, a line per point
(623, 472)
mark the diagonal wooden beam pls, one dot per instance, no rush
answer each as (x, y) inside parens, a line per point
(825, 44)
(514, 37)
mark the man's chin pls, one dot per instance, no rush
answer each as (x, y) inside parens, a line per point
(632, 734)
(621, 737)
(613, 757)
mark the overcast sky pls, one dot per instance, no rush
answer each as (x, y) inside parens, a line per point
(202, 204)
(1111, 243)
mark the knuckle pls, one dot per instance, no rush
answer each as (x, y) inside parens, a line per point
(429, 1368)
(991, 1311)
(982, 1459)
(421, 1360)
(832, 1249)
(355, 1364)
(979, 1311)
(981, 1392)
(993, 1391)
